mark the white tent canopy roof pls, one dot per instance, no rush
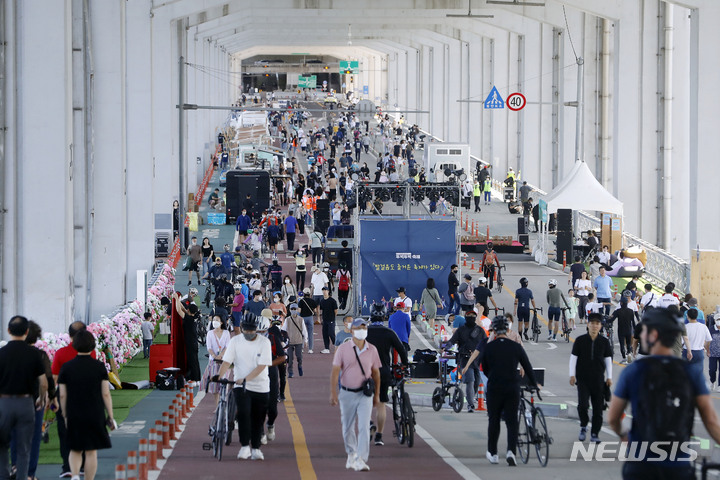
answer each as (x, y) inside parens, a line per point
(580, 190)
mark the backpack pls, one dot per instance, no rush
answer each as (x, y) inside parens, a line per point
(344, 283)
(668, 402)
(469, 293)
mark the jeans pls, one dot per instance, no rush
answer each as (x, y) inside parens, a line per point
(355, 406)
(18, 416)
(606, 307)
(471, 379)
(590, 393)
(453, 303)
(697, 360)
(713, 367)
(499, 401)
(206, 264)
(146, 348)
(487, 197)
(328, 333)
(309, 323)
(251, 410)
(34, 446)
(294, 350)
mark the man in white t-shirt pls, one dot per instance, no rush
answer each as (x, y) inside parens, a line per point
(604, 256)
(668, 299)
(318, 281)
(404, 300)
(699, 340)
(251, 354)
(650, 299)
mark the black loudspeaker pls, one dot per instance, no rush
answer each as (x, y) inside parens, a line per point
(239, 184)
(564, 244)
(322, 215)
(522, 226)
(524, 239)
(564, 220)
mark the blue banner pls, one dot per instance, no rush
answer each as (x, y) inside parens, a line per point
(404, 253)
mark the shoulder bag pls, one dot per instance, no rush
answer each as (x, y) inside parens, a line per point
(368, 386)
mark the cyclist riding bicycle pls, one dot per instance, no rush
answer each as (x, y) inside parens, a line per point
(523, 299)
(554, 296)
(489, 260)
(214, 273)
(500, 361)
(467, 337)
(385, 341)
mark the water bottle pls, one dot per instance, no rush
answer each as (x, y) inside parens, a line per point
(528, 417)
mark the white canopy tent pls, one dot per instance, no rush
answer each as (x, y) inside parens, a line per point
(580, 190)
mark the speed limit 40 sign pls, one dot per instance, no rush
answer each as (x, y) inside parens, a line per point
(516, 101)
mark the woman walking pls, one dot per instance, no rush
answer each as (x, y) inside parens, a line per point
(85, 400)
(430, 299)
(217, 341)
(208, 254)
(288, 290)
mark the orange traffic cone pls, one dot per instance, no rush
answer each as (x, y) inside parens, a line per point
(481, 398)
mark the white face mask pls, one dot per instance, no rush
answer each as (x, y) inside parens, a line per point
(217, 324)
(509, 326)
(287, 281)
(277, 299)
(360, 334)
(717, 323)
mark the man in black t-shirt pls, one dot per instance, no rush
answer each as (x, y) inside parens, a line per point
(482, 293)
(21, 370)
(453, 284)
(328, 310)
(576, 270)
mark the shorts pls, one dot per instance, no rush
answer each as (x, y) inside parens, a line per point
(237, 319)
(523, 315)
(272, 241)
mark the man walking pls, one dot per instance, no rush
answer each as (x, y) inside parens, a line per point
(603, 286)
(22, 376)
(400, 324)
(590, 368)
(663, 392)
(359, 362)
(466, 294)
(328, 311)
(297, 336)
(453, 284)
(487, 188)
(477, 193)
(290, 229)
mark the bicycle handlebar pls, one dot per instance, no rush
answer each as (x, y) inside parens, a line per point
(536, 309)
(533, 390)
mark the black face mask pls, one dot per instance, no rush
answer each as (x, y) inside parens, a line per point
(470, 321)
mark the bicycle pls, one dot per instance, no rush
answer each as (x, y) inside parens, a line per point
(403, 413)
(498, 310)
(208, 293)
(219, 429)
(438, 397)
(565, 326)
(536, 324)
(201, 329)
(532, 428)
(607, 327)
(499, 281)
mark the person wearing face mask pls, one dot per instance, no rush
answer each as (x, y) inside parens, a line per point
(467, 337)
(189, 316)
(358, 361)
(217, 341)
(242, 225)
(256, 304)
(328, 310)
(251, 356)
(297, 336)
(277, 376)
(277, 306)
(346, 333)
(453, 284)
(288, 290)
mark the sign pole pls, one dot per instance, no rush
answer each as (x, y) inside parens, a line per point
(181, 153)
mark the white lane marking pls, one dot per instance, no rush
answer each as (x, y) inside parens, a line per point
(422, 338)
(551, 346)
(443, 453)
(211, 232)
(129, 428)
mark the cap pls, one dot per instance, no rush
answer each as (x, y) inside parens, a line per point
(325, 288)
(482, 279)
(266, 313)
(400, 290)
(693, 302)
(293, 306)
(307, 291)
(468, 276)
(358, 322)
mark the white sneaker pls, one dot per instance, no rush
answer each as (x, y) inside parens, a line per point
(361, 466)
(271, 433)
(492, 458)
(351, 461)
(244, 453)
(510, 457)
(717, 388)
(325, 351)
(257, 454)
(263, 439)
(549, 337)
(310, 351)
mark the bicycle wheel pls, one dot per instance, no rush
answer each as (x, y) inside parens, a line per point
(523, 441)
(231, 409)
(458, 400)
(397, 416)
(219, 429)
(542, 445)
(536, 331)
(409, 415)
(437, 399)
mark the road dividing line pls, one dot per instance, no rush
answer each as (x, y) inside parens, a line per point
(443, 453)
(302, 454)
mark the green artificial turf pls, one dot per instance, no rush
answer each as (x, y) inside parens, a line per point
(123, 400)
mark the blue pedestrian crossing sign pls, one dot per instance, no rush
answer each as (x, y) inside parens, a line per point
(494, 100)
